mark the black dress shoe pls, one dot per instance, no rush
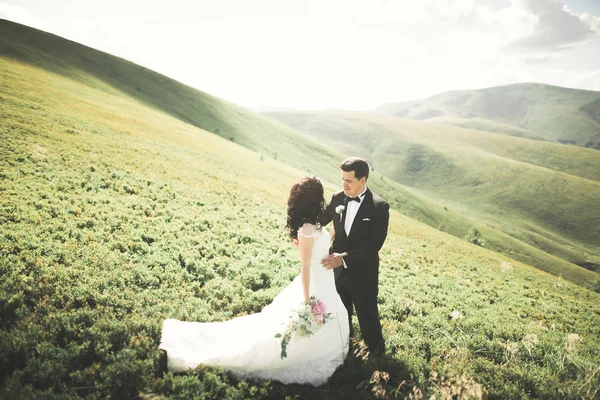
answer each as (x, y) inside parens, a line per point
(377, 351)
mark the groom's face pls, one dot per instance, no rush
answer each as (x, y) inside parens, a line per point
(352, 186)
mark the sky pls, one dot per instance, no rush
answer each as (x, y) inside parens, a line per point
(335, 54)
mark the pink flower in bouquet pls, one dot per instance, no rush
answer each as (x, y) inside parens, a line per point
(304, 321)
(318, 308)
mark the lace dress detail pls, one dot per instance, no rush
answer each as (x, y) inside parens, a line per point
(246, 346)
(310, 231)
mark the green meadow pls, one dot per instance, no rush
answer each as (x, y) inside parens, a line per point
(531, 194)
(119, 210)
(274, 140)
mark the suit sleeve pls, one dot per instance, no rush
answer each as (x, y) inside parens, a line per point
(328, 214)
(369, 248)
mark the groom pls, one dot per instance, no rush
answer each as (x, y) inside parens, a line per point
(360, 220)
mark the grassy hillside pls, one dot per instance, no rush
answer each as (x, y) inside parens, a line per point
(527, 110)
(115, 216)
(486, 125)
(541, 193)
(117, 76)
(273, 140)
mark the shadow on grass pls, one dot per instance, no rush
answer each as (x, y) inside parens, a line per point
(361, 377)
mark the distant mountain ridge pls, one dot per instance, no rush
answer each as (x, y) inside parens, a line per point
(539, 192)
(530, 110)
(89, 68)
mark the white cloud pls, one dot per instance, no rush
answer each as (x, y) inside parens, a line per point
(592, 21)
(338, 53)
(588, 79)
(20, 15)
(555, 26)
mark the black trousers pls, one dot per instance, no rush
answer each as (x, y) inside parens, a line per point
(363, 298)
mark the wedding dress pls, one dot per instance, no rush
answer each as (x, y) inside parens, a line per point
(246, 346)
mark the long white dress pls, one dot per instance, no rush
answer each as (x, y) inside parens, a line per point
(246, 346)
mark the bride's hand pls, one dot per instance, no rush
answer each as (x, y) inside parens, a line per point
(295, 242)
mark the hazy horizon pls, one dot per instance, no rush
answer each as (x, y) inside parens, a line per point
(353, 55)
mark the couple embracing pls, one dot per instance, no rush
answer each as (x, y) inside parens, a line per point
(338, 274)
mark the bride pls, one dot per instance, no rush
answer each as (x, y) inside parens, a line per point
(247, 346)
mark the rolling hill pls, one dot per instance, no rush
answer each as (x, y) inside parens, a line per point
(543, 194)
(116, 214)
(530, 110)
(270, 138)
(115, 75)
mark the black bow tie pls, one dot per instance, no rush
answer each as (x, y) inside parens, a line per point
(357, 198)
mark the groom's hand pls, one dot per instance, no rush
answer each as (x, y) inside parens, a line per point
(332, 261)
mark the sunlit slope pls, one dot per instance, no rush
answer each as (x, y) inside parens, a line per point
(533, 110)
(542, 193)
(115, 76)
(349, 130)
(118, 76)
(486, 125)
(115, 216)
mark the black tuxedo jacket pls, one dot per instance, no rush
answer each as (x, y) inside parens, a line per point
(366, 236)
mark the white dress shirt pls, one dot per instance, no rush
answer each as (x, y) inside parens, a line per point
(351, 211)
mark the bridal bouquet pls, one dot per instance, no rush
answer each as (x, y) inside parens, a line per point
(304, 322)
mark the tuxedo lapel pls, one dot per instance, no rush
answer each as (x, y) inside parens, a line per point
(343, 223)
(365, 209)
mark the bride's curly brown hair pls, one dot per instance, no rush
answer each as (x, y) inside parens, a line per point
(305, 204)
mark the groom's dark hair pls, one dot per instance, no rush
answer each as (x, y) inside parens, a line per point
(356, 164)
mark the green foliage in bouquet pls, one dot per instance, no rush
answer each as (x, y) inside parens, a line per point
(304, 322)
